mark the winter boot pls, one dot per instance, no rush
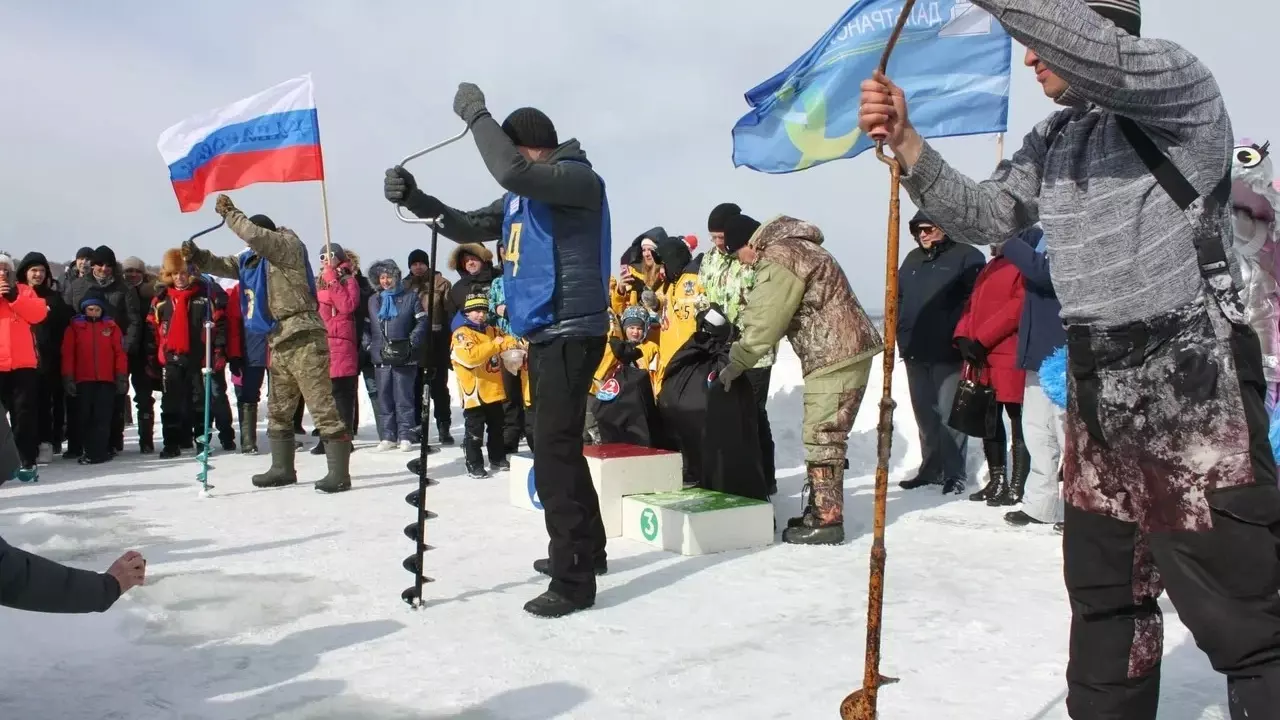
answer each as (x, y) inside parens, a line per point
(599, 563)
(28, 473)
(146, 432)
(249, 428)
(282, 471)
(337, 454)
(994, 450)
(825, 524)
(805, 492)
(916, 482)
(551, 604)
(443, 429)
(1021, 519)
(170, 451)
(1017, 476)
(319, 448)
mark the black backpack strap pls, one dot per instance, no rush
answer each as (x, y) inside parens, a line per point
(1211, 255)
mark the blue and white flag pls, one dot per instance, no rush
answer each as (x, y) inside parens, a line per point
(952, 61)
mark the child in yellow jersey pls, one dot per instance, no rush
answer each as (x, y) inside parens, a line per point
(681, 300)
(477, 363)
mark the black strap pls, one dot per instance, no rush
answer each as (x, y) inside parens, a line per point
(1211, 256)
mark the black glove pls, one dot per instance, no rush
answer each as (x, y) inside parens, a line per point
(122, 384)
(237, 366)
(69, 386)
(398, 186)
(972, 351)
(627, 353)
(189, 250)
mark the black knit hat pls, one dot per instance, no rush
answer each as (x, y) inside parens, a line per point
(419, 256)
(738, 232)
(531, 128)
(263, 221)
(103, 255)
(1126, 14)
(720, 215)
(84, 252)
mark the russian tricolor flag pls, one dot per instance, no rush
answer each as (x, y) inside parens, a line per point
(273, 136)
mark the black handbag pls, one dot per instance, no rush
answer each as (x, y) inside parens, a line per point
(974, 411)
(395, 352)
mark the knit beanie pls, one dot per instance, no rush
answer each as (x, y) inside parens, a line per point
(419, 256)
(263, 221)
(738, 231)
(94, 296)
(476, 301)
(84, 252)
(103, 255)
(531, 128)
(133, 263)
(634, 315)
(720, 215)
(1126, 14)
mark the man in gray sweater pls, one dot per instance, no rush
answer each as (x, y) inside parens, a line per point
(1169, 477)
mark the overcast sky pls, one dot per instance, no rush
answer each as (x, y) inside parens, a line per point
(651, 89)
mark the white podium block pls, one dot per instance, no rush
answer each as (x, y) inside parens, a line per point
(697, 522)
(617, 470)
(520, 486)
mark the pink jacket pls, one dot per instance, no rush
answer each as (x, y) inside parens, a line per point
(338, 298)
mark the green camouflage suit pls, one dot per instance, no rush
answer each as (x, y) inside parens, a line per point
(299, 344)
(801, 292)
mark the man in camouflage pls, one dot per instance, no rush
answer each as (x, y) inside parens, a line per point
(298, 345)
(800, 292)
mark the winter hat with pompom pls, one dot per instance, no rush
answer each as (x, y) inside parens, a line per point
(634, 315)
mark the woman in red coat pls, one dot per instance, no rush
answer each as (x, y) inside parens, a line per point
(987, 337)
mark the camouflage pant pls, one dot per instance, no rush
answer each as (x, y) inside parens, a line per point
(1168, 481)
(831, 401)
(300, 367)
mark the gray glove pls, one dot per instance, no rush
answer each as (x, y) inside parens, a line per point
(69, 386)
(398, 186)
(468, 103)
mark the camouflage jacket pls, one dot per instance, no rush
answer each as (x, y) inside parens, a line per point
(801, 292)
(726, 282)
(290, 298)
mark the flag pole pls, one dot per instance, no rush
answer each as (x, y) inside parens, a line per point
(999, 147)
(861, 704)
(324, 206)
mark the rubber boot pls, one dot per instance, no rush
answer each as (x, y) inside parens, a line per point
(1012, 494)
(146, 432)
(337, 454)
(249, 428)
(994, 450)
(825, 525)
(282, 471)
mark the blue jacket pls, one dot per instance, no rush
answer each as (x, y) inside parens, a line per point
(411, 324)
(1040, 330)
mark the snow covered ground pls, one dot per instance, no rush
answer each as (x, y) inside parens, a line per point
(286, 603)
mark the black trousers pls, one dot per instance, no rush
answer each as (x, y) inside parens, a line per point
(20, 392)
(96, 403)
(144, 400)
(475, 421)
(221, 410)
(436, 376)
(512, 412)
(344, 396)
(51, 409)
(182, 405)
(560, 376)
(759, 380)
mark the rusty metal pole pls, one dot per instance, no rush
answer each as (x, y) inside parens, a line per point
(862, 703)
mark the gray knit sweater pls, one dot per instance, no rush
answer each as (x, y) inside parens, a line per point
(1122, 249)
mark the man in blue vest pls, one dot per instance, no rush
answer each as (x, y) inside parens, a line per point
(553, 223)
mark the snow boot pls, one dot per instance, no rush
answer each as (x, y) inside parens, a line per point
(319, 448)
(282, 471)
(996, 486)
(1021, 519)
(28, 473)
(953, 486)
(248, 428)
(825, 524)
(146, 432)
(338, 455)
(552, 604)
(1012, 494)
(600, 564)
(805, 492)
(169, 451)
(442, 429)
(916, 482)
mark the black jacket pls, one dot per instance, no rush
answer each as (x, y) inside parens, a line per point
(30, 582)
(567, 183)
(48, 333)
(933, 287)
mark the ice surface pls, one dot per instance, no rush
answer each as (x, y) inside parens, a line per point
(286, 603)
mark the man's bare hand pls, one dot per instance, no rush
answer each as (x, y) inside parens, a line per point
(223, 205)
(130, 570)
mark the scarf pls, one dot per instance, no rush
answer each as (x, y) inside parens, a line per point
(389, 311)
(177, 337)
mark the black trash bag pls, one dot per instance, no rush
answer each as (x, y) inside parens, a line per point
(974, 411)
(713, 429)
(625, 409)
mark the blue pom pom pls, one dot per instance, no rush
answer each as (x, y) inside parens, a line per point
(1053, 377)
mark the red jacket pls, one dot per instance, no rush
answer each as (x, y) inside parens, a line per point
(991, 318)
(17, 342)
(93, 351)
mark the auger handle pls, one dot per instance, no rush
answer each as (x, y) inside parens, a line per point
(400, 209)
